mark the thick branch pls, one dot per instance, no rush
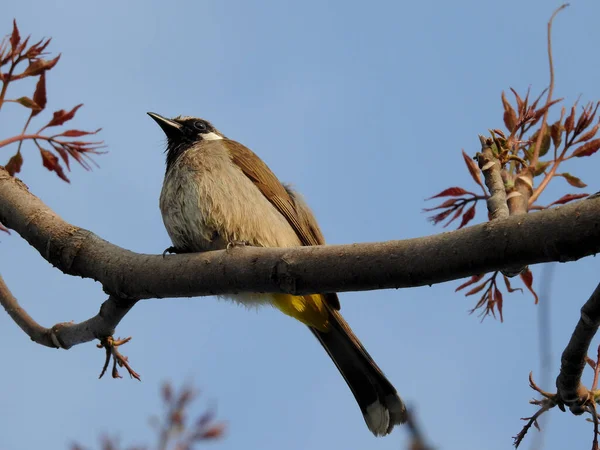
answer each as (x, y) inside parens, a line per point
(568, 382)
(561, 234)
(67, 334)
(490, 166)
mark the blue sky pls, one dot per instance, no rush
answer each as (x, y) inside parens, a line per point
(364, 107)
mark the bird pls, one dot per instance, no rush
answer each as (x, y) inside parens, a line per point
(217, 193)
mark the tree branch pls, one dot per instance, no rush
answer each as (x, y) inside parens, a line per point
(562, 234)
(67, 334)
(568, 383)
(490, 166)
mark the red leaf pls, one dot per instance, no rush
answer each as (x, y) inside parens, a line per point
(77, 133)
(64, 155)
(50, 162)
(473, 169)
(474, 279)
(441, 216)
(476, 289)
(572, 180)
(39, 96)
(588, 135)
(456, 214)
(214, 432)
(14, 164)
(587, 149)
(570, 121)
(519, 101)
(167, 393)
(527, 278)
(540, 112)
(15, 38)
(468, 216)
(510, 117)
(568, 198)
(36, 49)
(451, 192)
(509, 288)
(556, 130)
(498, 301)
(446, 204)
(39, 66)
(22, 46)
(62, 116)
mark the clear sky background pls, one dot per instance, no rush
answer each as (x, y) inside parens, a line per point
(364, 107)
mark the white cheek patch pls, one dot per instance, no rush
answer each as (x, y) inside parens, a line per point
(211, 136)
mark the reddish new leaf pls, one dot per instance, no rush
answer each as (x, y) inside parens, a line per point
(473, 169)
(527, 278)
(15, 37)
(167, 393)
(39, 66)
(439, 217)
(556, 130)
(214, 432)
(39, 96)
(476, 289)
(63, 154)
(572, 180)
(587, 149)
(451, 192)
(468, 216)
(567, 198)
(62, 116)
(540, 112)
(509, 288)
(22, 46)
(457, 213)
(3, 228)
(570, 121)
(510, 117)
(498, 301)
(588, 135)
(77, 133)
(474, 279)
(14, 164)
(448, 203)
(28, 103)
(50, 162)
(37, 49)
(520, 103)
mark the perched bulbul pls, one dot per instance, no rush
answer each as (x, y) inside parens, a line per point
(217, 193)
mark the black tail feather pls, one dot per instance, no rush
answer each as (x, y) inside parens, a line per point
(378, 400)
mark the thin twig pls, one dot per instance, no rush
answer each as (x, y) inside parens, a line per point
(67, 334)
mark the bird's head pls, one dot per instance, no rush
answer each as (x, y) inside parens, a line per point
(183, 132)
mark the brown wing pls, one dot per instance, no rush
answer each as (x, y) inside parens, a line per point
(266, 181)
(284, 199)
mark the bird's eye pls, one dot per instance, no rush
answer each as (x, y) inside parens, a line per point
(200, 126)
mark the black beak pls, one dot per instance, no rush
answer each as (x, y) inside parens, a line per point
(171, 128)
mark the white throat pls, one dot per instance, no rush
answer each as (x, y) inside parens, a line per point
(211, 136)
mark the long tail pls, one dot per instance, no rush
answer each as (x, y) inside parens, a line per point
(379, 402)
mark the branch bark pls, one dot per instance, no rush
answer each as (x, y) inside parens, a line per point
(490, 166)
(67, 334)
(560, 234)
(568, 383)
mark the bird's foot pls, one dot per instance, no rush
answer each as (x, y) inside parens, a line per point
(171, 249)
(233, 244)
